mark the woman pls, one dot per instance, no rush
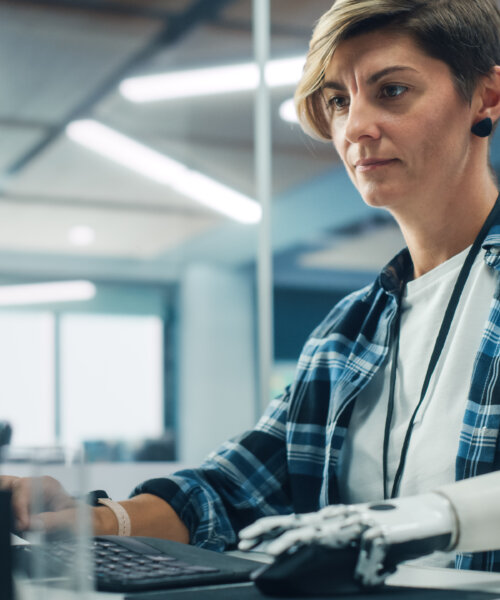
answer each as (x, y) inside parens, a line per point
(407, 90)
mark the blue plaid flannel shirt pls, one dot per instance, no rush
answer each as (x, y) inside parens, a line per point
(288, 462)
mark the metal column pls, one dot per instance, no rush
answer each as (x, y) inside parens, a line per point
(263, 150)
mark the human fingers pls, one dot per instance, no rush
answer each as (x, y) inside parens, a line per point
(61, 521)
(19, 488)
(20, 509)
(6, 481)
(38, 494)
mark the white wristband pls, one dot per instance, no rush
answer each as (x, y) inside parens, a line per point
(124, 526)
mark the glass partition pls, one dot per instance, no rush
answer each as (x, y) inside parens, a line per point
(129, 178)
(52, 559)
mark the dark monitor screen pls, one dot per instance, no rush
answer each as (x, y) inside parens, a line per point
(5, 550)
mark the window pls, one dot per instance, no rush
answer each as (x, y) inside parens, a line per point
(27, 376)
(112, 380)
(111, 377)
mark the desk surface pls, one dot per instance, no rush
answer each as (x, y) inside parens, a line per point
(446, 579)
(407, 576)
(249, 592)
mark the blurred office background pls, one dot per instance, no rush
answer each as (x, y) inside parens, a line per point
(143, 192)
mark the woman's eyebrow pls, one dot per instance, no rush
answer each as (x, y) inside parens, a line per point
(335, 85)
(387, 71)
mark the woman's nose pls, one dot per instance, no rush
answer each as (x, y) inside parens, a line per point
(362, 122)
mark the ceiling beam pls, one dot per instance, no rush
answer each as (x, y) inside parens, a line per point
(11, 122)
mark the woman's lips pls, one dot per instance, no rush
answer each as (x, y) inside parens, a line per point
(363, 166)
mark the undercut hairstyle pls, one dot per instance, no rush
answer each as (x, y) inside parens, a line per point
(464, 34)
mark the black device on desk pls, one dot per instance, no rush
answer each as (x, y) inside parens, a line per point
(6, 587)
(6, 592)
(5, 433)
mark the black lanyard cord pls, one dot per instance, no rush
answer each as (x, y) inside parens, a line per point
(392, 387)
(436, 353)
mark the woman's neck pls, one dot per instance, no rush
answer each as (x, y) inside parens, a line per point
(443, 229)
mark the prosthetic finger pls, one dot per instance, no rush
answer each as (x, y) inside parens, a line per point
(335, 533)
(269, 528)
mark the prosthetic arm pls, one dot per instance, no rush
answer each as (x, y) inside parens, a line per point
(463, 516)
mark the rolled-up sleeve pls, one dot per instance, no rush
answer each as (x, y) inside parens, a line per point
(243, 480)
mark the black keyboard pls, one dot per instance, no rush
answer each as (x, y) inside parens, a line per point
(123, 564)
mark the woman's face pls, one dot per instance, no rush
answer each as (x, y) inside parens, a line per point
(397, 120)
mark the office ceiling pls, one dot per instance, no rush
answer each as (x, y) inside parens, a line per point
(62, 60)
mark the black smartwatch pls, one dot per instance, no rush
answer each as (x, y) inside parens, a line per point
(92, 498)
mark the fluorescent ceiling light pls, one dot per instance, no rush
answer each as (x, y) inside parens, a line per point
(40, 293)
(286, 71)
(154, 165)
(81, 235)
(288, 112)
(211, 81)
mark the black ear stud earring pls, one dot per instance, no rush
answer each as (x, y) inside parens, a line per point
(483, 128)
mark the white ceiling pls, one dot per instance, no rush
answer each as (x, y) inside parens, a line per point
(60, 60)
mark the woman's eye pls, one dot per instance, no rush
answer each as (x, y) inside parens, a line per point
(338, 102)
(393, 91)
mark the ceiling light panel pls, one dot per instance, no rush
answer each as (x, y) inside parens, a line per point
(41, 293)
(81, 235)
(287, 111)
(211, 81)
(164, 170)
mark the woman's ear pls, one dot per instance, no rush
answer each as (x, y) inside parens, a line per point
(487, 96)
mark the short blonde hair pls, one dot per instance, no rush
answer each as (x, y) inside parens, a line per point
(462, 33)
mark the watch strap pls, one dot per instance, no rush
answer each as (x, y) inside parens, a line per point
(122, 516)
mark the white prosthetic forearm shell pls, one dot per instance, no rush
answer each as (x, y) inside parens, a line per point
(476, 503)
(415, 517)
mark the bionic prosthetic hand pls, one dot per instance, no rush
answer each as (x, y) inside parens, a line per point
(373, 537)
(369, 540)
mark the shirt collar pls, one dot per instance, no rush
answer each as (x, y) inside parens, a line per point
(396, 272)
(492, 240)
(492, 246)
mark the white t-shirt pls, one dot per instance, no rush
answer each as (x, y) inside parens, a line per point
(433, 447)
